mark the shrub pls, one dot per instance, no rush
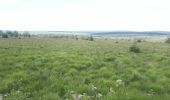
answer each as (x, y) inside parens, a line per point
(77, 38)
(26, 34)
(15, 34)
(9, 33)
(4, 36)
(91, 38)
(116, 42)
(167, 40)
(139, 40)
(134, 48)
(109, 58)
(1, 32)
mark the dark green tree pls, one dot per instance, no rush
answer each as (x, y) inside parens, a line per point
(9, 33)
(26, 34)
(15, 34)
(4, 35)
(1, 33)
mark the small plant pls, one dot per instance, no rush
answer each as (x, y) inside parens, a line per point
(139, 40)
(121, 89)
(167, 40)
(26, 34)
(77, 38)
(1, 96)
(134, 48)
(116, 42)
(91, 38)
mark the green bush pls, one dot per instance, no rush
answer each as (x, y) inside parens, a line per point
(91, 38)
(26, 34)
(139, 40)
(168, 40)
(1, 32)
(9, 34)
(4, 36)
(134, 48)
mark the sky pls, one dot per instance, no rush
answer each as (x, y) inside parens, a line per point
(85, 15)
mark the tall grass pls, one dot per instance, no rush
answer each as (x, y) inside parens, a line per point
(69, 69)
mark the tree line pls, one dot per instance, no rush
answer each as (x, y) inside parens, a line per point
(7, 34)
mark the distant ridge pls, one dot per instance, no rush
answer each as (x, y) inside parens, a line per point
(131, 33)
(106, 33)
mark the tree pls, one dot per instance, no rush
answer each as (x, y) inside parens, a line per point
(1, 33)
(26, 34)
(4, 35)
(9, 33)
(15, 34)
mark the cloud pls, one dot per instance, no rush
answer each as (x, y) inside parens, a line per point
(85, 14)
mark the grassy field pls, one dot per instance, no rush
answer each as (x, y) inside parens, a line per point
(70, 69)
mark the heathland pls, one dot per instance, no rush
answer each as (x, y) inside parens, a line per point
(94, 68)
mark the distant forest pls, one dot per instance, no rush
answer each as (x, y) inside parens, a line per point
(7, 34)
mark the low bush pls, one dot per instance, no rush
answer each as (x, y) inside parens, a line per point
(134, 48)
(139, 40)
(4, 36)
(91, 38)
(167, 40)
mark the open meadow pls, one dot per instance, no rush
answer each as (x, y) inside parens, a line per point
(79, 69)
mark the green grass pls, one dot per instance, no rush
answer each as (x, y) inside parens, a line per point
(59, 69)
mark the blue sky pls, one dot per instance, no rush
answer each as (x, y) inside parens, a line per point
(89, 15)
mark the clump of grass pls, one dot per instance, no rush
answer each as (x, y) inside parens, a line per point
(139, 40)
(134, 48)
(91, 38)
(77, 38)
(109, 58)
(121, 89)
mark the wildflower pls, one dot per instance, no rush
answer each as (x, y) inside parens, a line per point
(151, 92)
(93, 87)
(74, 96)
(88, 97)
(77, 97)
(119, 83)
(99, 95)
(84, 94)
(71, 92)
(18, 91)
(111, 90)
(1, 97)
